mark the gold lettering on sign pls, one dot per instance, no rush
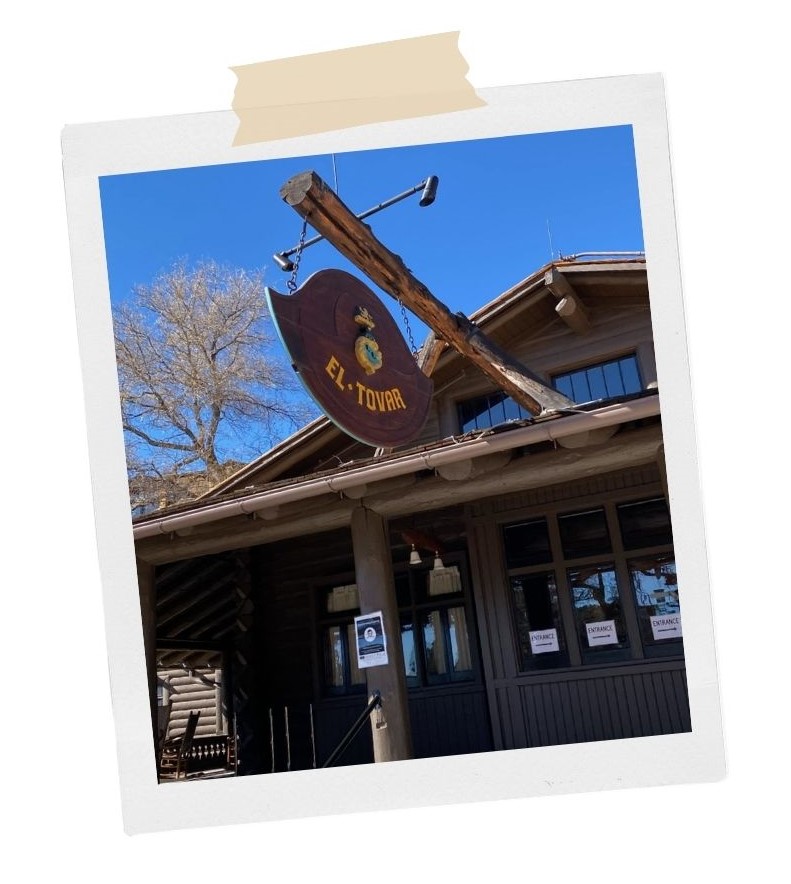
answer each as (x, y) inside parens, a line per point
(377, 401)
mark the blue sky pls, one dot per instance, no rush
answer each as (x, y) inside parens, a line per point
(486, 230)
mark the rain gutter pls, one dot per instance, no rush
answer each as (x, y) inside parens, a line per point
(545, 431)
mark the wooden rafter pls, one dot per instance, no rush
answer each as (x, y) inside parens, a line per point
(569, 307)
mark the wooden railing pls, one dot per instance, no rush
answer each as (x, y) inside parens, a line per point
(208, 753)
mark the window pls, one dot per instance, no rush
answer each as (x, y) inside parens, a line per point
(539, 630)
(646, 523)
(527, 543)
(338, 607)
(597, 613)
(655, 590)
(488, 411)
(435, 631)
(605, 380)
(584, 534)
(593, 586)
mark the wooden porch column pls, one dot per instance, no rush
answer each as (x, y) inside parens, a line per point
(148, 612)
(392, 733)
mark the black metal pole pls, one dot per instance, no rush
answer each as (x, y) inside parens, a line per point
(428, 185)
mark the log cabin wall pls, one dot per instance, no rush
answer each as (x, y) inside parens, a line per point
(204, 613)
(194, 690)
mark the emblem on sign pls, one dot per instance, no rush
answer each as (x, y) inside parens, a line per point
(351, 357)
(365, 347)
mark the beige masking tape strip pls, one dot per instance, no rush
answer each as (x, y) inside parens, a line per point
(417, 77)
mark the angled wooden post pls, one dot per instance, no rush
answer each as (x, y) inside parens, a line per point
(312, 199)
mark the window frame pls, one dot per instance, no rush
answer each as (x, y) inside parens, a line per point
(423, 681)
(579, 656)
(590, 366)
(552, 377)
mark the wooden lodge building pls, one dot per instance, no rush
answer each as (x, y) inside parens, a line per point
(524, 566)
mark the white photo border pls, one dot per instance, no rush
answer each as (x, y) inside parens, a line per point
(95, 150)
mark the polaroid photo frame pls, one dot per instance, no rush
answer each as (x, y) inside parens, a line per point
(191, 141)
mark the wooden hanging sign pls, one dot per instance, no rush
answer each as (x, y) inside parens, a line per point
(352, 359)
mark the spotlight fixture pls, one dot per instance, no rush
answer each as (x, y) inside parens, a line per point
(283, 262)
(414, 556)
(429, 191)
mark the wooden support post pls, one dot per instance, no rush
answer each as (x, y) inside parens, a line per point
(660, 462)
(148, 612)
(392, 734)
(314, 200)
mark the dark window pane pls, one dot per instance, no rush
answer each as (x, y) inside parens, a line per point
(598, 387)
(630, 375)
(513, 411)
(334, 658)
(655, 590)
(646, 523)
(605, 380)
(403, 595)
(612, 378)
(527, 543)
(444, 581)
(579, 384)
(597, 612)
(563, 385)
(410, 653)
(488, 411)
(584, 534)
(341, 598)
(538, 623)
(459, 643)
(496, 410)
(434, 646)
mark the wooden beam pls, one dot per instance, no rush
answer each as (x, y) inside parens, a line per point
(569, 307)
(626, 449)
(429, 354)
(313, 200)
(461, 470)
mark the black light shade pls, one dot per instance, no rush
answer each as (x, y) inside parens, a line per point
(429, 191)
(283, 262)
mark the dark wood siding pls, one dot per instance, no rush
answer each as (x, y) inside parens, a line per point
(451, 723)
(333, 720)
(587, 706)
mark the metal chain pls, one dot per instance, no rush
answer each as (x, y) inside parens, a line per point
(292, 283)
(404, 316)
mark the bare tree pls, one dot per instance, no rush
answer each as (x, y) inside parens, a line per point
(200, 382)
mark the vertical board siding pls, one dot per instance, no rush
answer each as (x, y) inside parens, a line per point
(607, 707)
(454, 723)
(450, 724)
(333, 720)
